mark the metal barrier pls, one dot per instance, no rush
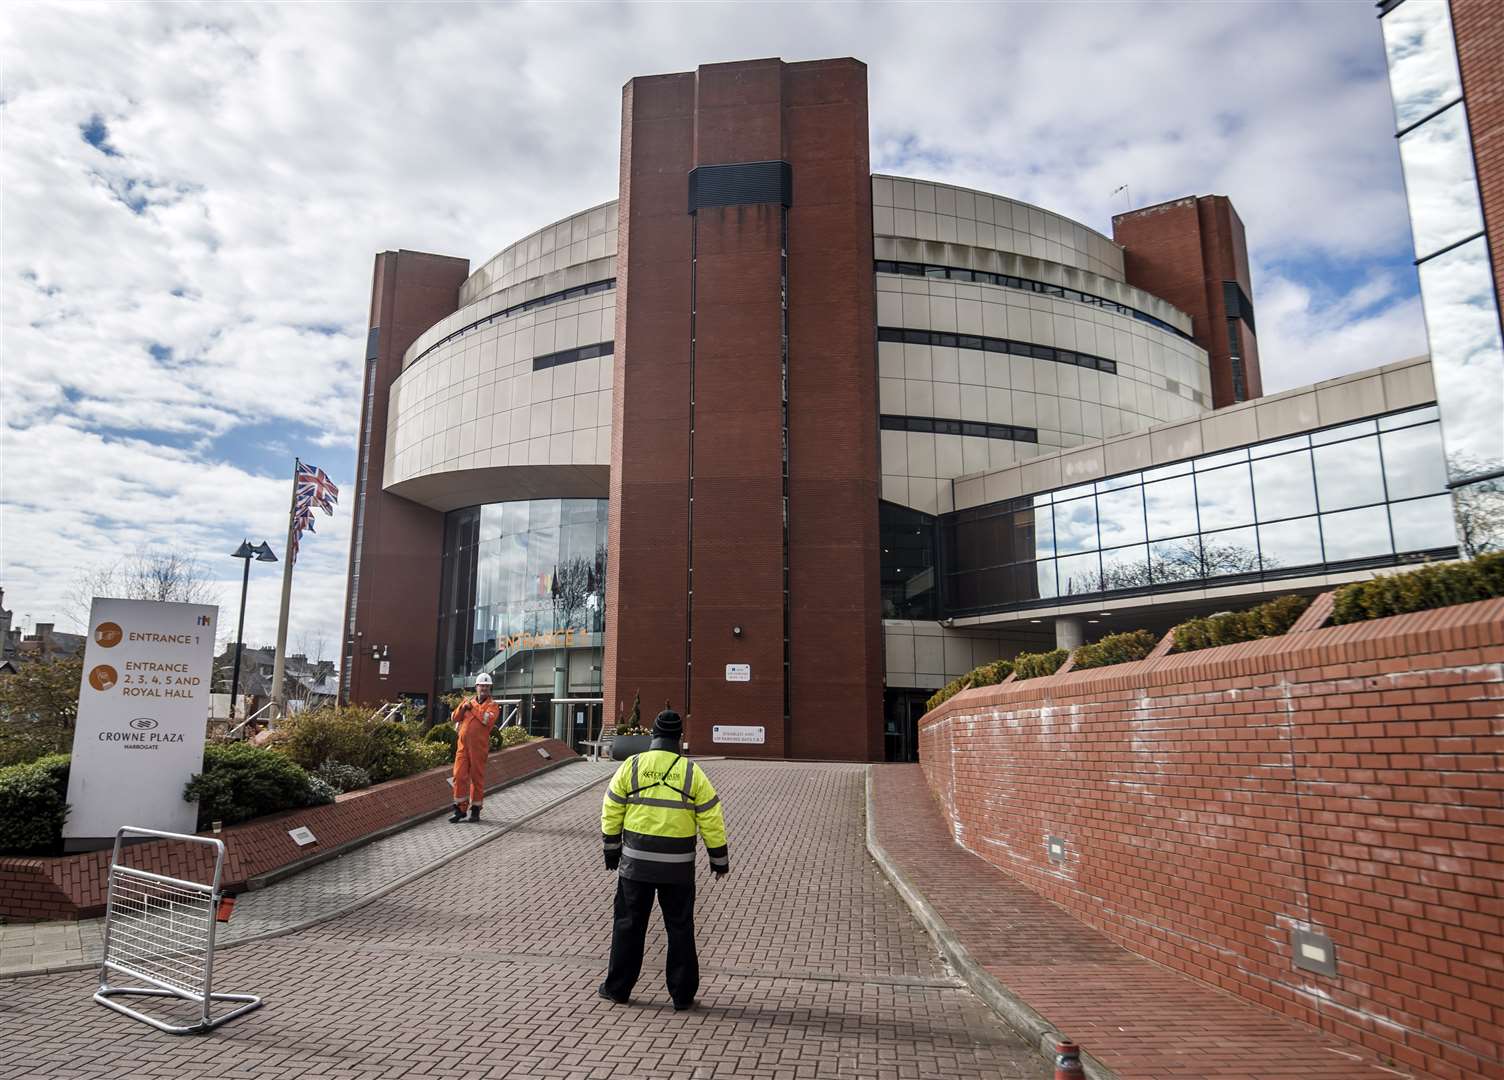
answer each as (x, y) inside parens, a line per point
(160, 930)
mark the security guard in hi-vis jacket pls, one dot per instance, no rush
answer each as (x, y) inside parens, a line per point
(657, 802)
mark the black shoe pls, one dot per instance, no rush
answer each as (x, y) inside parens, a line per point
(475, 813)
(600, 992)
(458, 815)
(686, 1006)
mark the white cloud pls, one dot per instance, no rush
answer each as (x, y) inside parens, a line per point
(271, 150)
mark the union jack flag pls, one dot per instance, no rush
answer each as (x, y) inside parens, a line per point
(312, 489)
(315, 485)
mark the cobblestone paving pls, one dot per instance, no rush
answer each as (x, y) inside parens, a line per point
(323, 890)
(487, 968)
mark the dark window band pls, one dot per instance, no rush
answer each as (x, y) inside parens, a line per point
(996, 345)
(573, 293)
(933, 426)
(1008, 281)
(569, 356)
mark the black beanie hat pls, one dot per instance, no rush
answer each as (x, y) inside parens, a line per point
(668, 725)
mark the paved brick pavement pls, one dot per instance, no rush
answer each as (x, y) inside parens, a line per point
(323, 890)
(487, 967)
(1137, 1018)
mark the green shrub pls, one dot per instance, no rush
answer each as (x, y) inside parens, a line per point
(989, 674)
(342, 777)
(240, 782)
(1433, 586)
(1117, 649)
(513, 736)
(1270, 619)
(33, 805)
(393, 753)
(433, 754)
(946, 692)
(385, 749)
(1034, 665)
(442, 733)
(22, 741)
(320, 791)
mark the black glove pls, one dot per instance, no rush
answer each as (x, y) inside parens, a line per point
(612, 859)
(720, 871)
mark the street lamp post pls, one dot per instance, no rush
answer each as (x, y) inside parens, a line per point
(263, 553)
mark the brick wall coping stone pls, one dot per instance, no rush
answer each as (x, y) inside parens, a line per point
(259, 852)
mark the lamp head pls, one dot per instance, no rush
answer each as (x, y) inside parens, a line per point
(264, 552)
(244, 551)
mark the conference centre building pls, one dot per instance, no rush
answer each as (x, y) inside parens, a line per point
(788, 445)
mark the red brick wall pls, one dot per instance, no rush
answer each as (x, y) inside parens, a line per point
(1346, 779)
(1480, 43)
(1182, 251)
(814, 116)
(398, 600)
(76, 886)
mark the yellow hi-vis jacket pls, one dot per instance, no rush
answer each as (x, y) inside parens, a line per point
(657, 802)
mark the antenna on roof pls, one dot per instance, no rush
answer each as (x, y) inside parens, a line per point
(1128, 195)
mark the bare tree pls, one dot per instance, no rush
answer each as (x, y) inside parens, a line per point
(1478, 509)
(145, 575)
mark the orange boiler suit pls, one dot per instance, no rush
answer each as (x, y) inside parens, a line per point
(475, 719)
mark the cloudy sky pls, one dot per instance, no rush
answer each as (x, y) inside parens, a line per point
(193, 195)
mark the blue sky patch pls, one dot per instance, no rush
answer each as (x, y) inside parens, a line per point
(97, 135)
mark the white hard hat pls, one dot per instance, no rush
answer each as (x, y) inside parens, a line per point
(483, 679)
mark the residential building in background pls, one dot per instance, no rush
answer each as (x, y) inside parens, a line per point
(788, 445)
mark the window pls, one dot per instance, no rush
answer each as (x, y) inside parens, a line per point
(570, 356)
(1044, 288)
(931, 425)
(948, 340)
(1366, 493)
(573, 293)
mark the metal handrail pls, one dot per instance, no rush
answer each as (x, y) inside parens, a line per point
(387, 711)
(271, 707)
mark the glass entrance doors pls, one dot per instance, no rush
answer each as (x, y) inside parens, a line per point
(901, 712)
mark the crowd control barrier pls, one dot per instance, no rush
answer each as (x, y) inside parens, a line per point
(159, 930)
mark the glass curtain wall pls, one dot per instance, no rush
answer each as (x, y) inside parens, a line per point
(1451, 252)
(909, 588)
(523, 594)
(1371, 492)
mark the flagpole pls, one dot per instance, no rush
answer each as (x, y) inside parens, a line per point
(279, 667)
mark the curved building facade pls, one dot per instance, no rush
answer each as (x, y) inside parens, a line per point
(787, 445)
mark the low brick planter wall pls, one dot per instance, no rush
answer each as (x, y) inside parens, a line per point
(1209, 806)
(74, 886)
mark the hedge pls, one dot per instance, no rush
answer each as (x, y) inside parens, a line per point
(33, 805)
(987, 675)
(241, 781)
(1117, 649)
(1271, 619)
(385, 749)
(1035, 665)
(1433, 586)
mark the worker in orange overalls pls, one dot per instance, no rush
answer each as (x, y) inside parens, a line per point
(473, 722)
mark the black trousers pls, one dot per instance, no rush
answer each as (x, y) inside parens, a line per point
(634, 904)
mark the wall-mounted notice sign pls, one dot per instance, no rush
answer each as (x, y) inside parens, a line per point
(738, 672)
(142, 710)
(738, 733)
(302, 836)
